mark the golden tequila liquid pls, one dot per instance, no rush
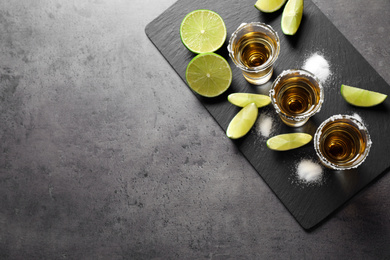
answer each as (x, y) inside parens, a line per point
(296, 96)
(342, 142)
(254, 48)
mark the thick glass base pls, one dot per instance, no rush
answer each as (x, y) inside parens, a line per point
(293, 123)
(258, 78)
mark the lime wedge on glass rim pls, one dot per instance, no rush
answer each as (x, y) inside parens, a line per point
(361, 97)
(269, 6)
(209, 74)
(243, 99)
(203, 31)
(242, 121)
(292, 16)
(285, 142)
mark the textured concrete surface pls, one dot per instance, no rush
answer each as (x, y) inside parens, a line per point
(106, 154)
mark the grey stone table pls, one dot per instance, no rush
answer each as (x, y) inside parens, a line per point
(106, 154)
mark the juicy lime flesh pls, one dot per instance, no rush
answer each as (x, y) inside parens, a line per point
(203, 31)
(292, 16)
(209, 74)
(361, 97)
(243, 99)
(269, 6)
(242, 122)
(290, 141)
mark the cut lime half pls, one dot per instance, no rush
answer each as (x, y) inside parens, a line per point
(269, 6)
(285, 142)
(242, 122)
(292, 16)
(203, 31)
(361, 97)
(209, 74)
(243, 99)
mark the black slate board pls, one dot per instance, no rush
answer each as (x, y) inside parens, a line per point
(309, 204)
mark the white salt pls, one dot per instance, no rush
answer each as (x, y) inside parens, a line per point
(264, 125)
(309, 171)
(319, 66)
(358, 117)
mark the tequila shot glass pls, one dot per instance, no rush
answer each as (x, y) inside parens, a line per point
(254, 48)
(342, 142)
(296, 96)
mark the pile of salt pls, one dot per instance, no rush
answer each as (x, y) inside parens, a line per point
(264, 125)
(319, 66)
(309, 171)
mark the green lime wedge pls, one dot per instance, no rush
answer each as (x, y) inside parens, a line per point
(243, 99)
(292, 16)
(203, 31)
(361, 97)
(242, 122)
(209, 74)
(269, 6)
(290, 141)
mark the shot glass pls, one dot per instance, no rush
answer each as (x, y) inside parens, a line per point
(342, 142)
(296, 96)
(254, 48)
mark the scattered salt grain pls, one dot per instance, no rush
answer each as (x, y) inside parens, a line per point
(319, 66)
(264, 125)
(308, 171)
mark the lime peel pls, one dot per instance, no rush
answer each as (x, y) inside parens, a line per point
(242, 121)
(361, 97)
(285, 142)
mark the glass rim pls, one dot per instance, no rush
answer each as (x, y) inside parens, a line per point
(304, 115)
(360, 158)
(269, 62)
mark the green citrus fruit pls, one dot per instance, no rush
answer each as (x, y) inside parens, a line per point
(209, 74)
(242, 122)
(361, 97)
(290, 141)
(292, 16)
(269, 6)
(203, 31)
(243, 99)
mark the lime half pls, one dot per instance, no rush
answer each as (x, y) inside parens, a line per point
(269, 6)
(203, 31)
(290, 141)
(292, 16)
(361, 97)
(209, 74)
(242, 122)
(243, 99)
